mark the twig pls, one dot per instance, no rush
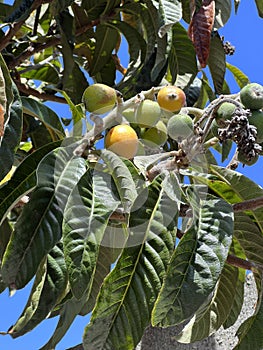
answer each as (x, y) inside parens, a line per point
(250, 204)
(243, 264)
(41, 95)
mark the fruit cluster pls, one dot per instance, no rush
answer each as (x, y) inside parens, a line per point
(243, 125)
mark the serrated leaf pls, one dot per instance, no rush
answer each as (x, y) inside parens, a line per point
(239, 76)
(12, 134)
(106, 41)
(34, 236)
(43, 113)
(208, 320)
(23, 180)
(222, 13)
(182, 57)
(200, 29)
(259, 4)
(122, 178)
(49, 286)
(196, 263)
(127, 295)
(85, 220)
(217, 63)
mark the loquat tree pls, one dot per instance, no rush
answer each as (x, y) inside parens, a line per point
(145, 227)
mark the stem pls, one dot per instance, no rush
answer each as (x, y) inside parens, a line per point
(41, 95)
(250, 204)
(241, 263)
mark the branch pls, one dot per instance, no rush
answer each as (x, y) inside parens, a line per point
(41, 95)
(250, 204)
(14, 27)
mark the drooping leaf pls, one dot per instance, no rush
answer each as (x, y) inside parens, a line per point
(200, 29)
(49, 286)
(106, 41)
(127, 295)
(250, 332)
(122, 178)
(182, 58)
(196, 263)
(85, 220)
(217, 63)
(170, 13)
(45, 114)
(210, 317)
(259, 4)
(239, 76)
(232, 186)
(12, 134)
(41, 217)
(222, 13)
(23, 180)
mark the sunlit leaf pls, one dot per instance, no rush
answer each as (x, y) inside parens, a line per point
(239, 76)
(222, 13)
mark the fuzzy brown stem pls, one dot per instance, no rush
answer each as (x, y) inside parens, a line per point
(250, 204)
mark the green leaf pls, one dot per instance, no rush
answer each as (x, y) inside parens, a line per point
(106, 41)
(170, 12)
(23, 180)
(45, 114)
(182, 57)
(12, 134)
(21, 12)
(44, 72)
(222, 13)
(226, 148)
(217, 63)
(122, 178)
(259, 4)
(249, 237)
(250, 332)
(210, 317)
(85, 220)
(196, 263)
(127, 295)
(239, 76)
(49, 286)
(233, 187)
(68, 313)
(34, 236)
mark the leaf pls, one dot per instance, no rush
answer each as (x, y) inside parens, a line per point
(259, 4)
(226, 148)
(127, 295)
(23, 180)
(182, 58)
(12, 134)
(170, 12)
(222, 13)
(196, 264)
(106, 40)
(250, 332)
(45, 114)
(122, 178)
(217, 63)
(21, 12)
(208, 319)
(86, 217)
(44, 72)
(232, 186)
(200, 29)
(68, 313)
(35, 235)
(49, 286)
(249, 237)
(239, 76)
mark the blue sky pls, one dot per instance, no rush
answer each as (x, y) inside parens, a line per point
(244, 31)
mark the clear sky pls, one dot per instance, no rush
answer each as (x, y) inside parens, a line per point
(244, 31)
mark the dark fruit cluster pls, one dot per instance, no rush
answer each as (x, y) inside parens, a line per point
(242, 133)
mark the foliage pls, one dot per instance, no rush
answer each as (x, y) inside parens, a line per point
(161, 239)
